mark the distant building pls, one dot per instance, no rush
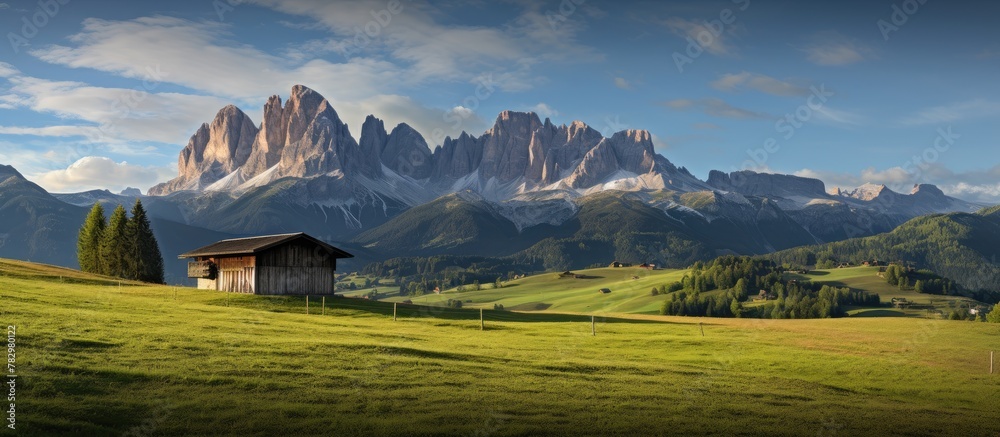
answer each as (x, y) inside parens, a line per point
(271, 265)
(567, 274)
(617, 264)
(605, 290)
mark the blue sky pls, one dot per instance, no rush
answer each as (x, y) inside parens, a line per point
(105, 95)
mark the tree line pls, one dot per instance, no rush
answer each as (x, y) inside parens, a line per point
(122, 247)
(736, 275)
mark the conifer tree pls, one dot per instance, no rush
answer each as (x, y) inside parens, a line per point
(88, 246)
(114, 244)
(144, 261)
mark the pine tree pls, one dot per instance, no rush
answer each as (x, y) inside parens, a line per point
(88, 246)
(994, 316)
(114, 244)
(144, 261)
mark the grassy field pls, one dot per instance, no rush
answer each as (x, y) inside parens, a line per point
(549, 292)
(865, 278)
(98, 359)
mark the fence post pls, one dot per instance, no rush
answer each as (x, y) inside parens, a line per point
(593, 326)
(991, 362)
(700, 325)
(307, 304)
(394, 304)
(482, 321)
(324, 305)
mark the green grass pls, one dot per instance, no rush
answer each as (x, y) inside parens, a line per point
(866, 278)
(548, 292)
(96, 359)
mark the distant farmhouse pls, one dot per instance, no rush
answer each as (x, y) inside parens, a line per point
(272, 265)
(617, 265)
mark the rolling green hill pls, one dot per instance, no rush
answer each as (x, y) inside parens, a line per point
(962, 247)
(866, 278)
(549, 292)
(96, 359)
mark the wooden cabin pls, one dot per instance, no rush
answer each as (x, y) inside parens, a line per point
(271, 265)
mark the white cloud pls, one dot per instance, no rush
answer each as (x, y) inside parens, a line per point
(714, 107)
(431, 50)
(759, 82)
(952, 113)
(543, 110)
(204, 57)
(976, 186)
(834, 49)
(4, 6)
(222, 67)
(7, 70)
(111, 115)
(623, 83)
(94, 172)
(705, 36)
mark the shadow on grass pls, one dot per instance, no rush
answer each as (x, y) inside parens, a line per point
(290, 304)
(879, 313)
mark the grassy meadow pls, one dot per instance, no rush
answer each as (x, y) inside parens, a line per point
(631, 287)
(94, 358)
(630, 292)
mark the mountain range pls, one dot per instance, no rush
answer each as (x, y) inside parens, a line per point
(524, 186)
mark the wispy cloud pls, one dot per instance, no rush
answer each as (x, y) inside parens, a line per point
(714, 107)
(834, 49)
(623, 83)
(718, 44)
(543, 110)
(952, 113)
(839, 116)
(759, 82)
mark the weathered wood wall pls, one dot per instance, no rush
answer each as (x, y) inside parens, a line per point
(295, 268)
(237, 274)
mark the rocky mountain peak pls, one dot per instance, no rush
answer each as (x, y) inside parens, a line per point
(407, 154)
(213, 152)
(750, 183)
(869, 192)
(7, 171)
(927, 190)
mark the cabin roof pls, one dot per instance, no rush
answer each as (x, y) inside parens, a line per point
(253, 245)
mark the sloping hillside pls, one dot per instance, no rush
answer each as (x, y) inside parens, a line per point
(959, 246)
